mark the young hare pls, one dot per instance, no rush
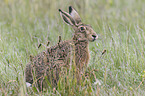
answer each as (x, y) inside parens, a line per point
(47, 65)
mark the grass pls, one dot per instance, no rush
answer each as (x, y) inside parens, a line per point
(24, 24)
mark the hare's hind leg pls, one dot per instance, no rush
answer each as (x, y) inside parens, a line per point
(28, 75)
(52, 74)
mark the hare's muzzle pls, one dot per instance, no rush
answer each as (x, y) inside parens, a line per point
(94, 37)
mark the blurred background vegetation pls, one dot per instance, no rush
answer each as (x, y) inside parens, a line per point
(24, 24)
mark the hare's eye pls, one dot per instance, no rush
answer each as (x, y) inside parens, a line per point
(82, 28)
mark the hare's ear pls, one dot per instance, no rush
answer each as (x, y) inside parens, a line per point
(74, 15)
(67, 17)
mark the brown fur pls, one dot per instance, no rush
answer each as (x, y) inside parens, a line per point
(49, 63)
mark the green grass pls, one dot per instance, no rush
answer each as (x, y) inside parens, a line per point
(24, 24)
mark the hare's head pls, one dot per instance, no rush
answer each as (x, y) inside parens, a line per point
(82, 31)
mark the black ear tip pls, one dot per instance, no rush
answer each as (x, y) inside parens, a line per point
(70, 9)
(59, 10)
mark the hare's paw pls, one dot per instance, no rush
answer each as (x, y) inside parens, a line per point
(28, 84)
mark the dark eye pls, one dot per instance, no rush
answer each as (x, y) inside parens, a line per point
(82, 28)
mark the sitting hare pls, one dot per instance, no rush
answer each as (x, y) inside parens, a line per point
(49, 62)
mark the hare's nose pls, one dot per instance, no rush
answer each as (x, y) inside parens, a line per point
(94, 36)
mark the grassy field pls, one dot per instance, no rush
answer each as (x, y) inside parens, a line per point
(120, 24)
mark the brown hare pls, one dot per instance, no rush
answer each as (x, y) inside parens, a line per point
(49, 62)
